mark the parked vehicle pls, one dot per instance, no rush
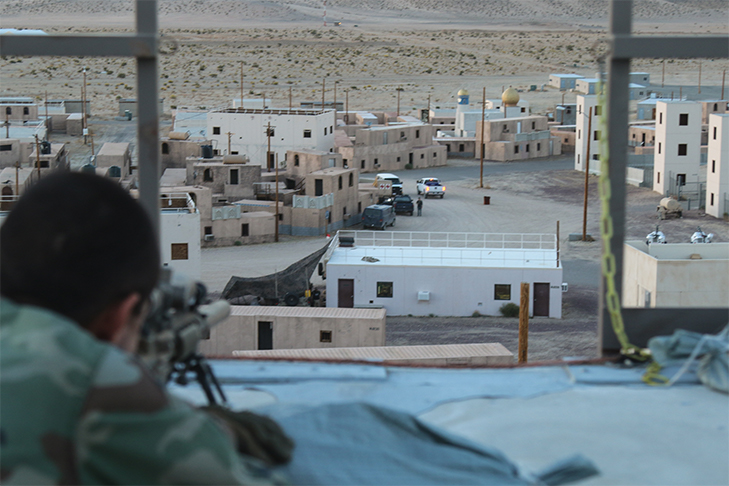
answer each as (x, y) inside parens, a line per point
(430, 187)
(391, 179)
(378, 216)
(403, 204)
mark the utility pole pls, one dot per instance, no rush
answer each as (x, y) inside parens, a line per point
(17, 169)
(47, 131)
(91, 135)
(241, 84)
(335, 102)
(346, 105)
(323, 90)
(37, 155)
(229, 134)
(483, 119)
(264, 100)
(7, 125)
(268, 158)
(83, 107)
(428, 108)
(587, 175)
(290, 98)
(398, 100)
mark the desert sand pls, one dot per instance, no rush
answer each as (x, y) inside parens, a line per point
(427, 48)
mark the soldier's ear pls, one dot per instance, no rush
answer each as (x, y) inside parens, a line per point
(111, 323)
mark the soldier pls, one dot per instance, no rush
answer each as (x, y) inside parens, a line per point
(78, 261)
(419, 204)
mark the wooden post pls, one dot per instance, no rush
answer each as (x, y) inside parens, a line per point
(398, 100)
(335, 102)
(323, 91)
(229, 134)
(37, 155)
(587, 175)
(483, 119)
(346, 107)
(290, 98)
(48, 132)
(241, 85)
(524, 323)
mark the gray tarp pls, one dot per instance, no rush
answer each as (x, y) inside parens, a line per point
(357, 443)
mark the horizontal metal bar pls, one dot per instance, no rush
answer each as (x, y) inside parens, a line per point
(142, 46)
(641, 324)
(629, 46)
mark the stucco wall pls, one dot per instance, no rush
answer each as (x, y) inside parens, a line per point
(181, 227)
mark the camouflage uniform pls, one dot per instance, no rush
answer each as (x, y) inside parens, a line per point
(77, 410)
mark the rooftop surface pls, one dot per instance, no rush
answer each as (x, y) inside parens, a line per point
(634, 433)
(683, 251)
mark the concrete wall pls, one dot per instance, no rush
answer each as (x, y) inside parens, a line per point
(641, 135)
(299, 327)
(18, 111)
(74, 125)
(228, 232)
(10, 152)
(566, 138)
(717, 166)
(343, 212)
(584, 104)
(516, 139)
(200, 170)
(299, 163)
(669, 135)
(712, 107)
(178, 151)
(117, 154)
(672, 279)
(181, 227)
(454, 291)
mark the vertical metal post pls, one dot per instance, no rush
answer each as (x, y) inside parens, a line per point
(147, 111)
(617, 128)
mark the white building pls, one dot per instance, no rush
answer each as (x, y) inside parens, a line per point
(675, 275)
(290, 130)
(678, 145)
(587, 105)
(447, 274)
(717, 170)
(180, 237)
(564, 81)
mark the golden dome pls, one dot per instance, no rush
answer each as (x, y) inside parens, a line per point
(463, 92)
(510, 97)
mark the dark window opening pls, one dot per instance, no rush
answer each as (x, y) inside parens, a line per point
(534, 125)
(596, 135)
(713, 166)
(658, 179)
(318, 187)
(244, 230)
(234, 176)
(422, 156)
(359, 207)
(363, 164)
(325, 130)
(216, 130)
(26, 111)
(208, 230)
(660, 118)
(351, 179)
(527, 148)
(208, 175)
(296, 160)
(683, 119)
(516, 149)
(307, 133)
(502, 292)
(680, 179)
(340, 183)
(461, 147)
(539, 146)
(712, 199)
(325, 336)
(8, 110)
(165, 148)
(417, 132)
(714, 133)
(179, 251)
(598, 110)
(659, 148)
(6, 148)
(384, 289)
(682, 149)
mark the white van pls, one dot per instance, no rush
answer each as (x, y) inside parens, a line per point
(392, 179)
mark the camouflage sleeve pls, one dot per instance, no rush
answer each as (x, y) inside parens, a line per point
(133, 432)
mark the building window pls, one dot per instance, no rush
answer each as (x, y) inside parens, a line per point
(376, 163)
(359, 207)
(461, 147)
(713, 166)
(325, 336)
(307, 133)
(331, 129)
(659, 148)
(340, 183)
(716, 106)
(234, 177)
(682, 149)
(362, 164)
(516, 149)
(539, 146)
(6, 148)
(351, 179)
(712, 199)
(244, 230)
(527, 148)
(296, 160)
(216, 130)
(165, 148)
(595, 156)
(502, 292)
(596, 135)
(179, 251)
(325, 130)
(714, 133)
(384, 289)
(8, 110)
(26, 111)
(598, 110)
(208, 230)
(658, 179)
(660, 118)
(422, 156)
(402, 135)
(683, 119)
(579, 109)
(207, 175)
(579, 134)
(344, 212)
(435, 154)
(318, 187)
(398, 159)
(534, 125)
(417, 132)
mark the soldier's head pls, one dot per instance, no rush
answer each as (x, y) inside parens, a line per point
(81, 246)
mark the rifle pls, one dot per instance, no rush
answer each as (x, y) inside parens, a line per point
(181, 315)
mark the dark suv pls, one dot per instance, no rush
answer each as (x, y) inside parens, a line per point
(403, 204)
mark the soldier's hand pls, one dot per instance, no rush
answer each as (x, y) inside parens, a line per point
(257, 436)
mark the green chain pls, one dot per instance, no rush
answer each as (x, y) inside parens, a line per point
(612, 299)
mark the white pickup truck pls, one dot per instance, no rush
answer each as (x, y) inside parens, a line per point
(431, 187)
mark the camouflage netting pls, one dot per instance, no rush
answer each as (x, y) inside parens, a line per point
(270, 289)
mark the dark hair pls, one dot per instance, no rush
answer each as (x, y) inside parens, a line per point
(76, 243)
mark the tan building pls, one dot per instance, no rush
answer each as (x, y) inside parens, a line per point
(10, 152)
(115, 154)
(521, 138)
(75, 125)
(52, 156)
(280, 327)
(299, 163)
(226, 176)
(14, 183)
(18, 109)
(711, 107)
(176, 148)
(675, 275)
(392, 147)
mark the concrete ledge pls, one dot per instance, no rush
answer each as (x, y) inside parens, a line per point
(435, 355)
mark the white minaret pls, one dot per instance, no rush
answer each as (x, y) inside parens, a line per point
(585, 104)
(461, 108)
(717, 166)
(678, 145)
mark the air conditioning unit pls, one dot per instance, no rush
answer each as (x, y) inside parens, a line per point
(564, 286)
(424, 295)
(209, 237)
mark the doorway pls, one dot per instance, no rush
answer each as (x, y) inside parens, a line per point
(541, 299)
(265, 335)
(346, 292)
